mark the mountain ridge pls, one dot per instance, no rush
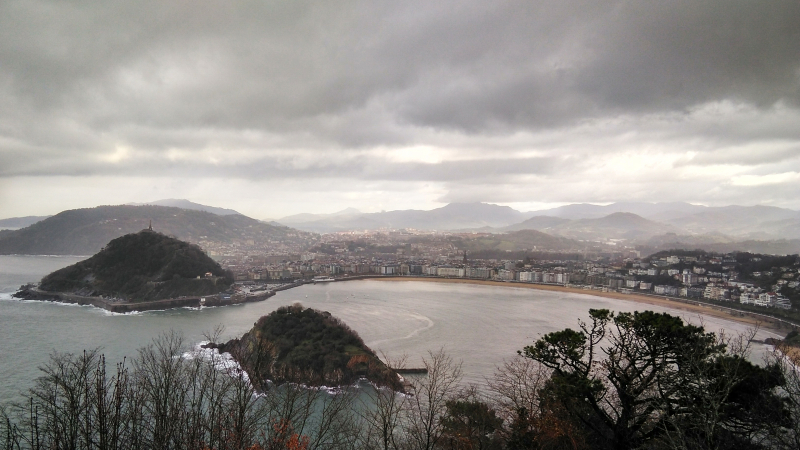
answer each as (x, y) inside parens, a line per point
(756, 222)
(85, 231)
(186, 204)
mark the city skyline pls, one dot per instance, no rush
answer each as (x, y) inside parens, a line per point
(279, 108)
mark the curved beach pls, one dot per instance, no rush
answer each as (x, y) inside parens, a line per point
(765, 322)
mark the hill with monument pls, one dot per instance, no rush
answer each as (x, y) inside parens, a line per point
(143, 266)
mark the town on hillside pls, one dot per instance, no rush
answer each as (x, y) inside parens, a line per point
(746, 280)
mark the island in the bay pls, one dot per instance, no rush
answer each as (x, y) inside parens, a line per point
(138, 271)
(303, 345)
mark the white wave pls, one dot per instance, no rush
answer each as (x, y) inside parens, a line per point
(129, 313)
(220, 361)
(50, 302)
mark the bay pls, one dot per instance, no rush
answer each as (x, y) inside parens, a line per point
(478, 325)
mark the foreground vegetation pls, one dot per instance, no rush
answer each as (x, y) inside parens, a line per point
(621, 381)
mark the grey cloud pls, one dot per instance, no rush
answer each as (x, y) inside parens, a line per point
(466, 66)
(296, 90)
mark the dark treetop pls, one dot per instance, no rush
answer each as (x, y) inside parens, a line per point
(293, 344)
(142, 266)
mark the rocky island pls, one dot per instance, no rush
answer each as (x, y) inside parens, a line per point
(306, 346)
(139, 271)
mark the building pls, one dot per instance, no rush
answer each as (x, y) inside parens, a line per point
(689, 278)
(748, 298)
(452, 272)
(505, 274)
(715, 292)
(390, 269)
(479, 272)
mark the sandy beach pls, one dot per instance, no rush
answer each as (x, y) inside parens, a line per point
(708, 310)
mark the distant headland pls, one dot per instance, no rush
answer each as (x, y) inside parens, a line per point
(141, 271)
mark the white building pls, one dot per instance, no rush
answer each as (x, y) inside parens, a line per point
(453, 272)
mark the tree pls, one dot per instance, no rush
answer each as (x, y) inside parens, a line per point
(470, 424)
(531, 421)
(383, 411)
(629, 379)
(428, 403)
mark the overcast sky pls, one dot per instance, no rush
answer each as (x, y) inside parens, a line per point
(274, 108)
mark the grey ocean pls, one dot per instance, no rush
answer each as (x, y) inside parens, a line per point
(480, 325)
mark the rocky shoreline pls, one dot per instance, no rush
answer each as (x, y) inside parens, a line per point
(116, 306)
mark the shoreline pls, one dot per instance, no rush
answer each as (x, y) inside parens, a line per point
(773, 324)
(764, 322)
(128, 307)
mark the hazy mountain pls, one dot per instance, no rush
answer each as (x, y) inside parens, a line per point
(787, 228)
(541, 223)
(757, 222)
(719, 243)
(308, 217)
(767, 222)
(450, 217)
(186, 204)
(619, 225)
(519, 240)
(20, 222)
(86, 231)
(633, 220)
(653, 211)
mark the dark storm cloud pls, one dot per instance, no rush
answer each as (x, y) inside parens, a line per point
(468, 66)
(302, 90)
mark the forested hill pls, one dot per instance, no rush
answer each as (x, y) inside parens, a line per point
(86, 231)
(142, 266)
(295, 344)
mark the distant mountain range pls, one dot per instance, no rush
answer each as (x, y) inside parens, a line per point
(649, 210)
(625, 220)
(13, 223)
(86, 231)
(186, 204)
(618, 225)
(454, 216)
(649, 225)
(531, 240)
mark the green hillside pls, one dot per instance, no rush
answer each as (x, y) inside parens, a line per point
(293, 344)
(86, 231)
(143, 266)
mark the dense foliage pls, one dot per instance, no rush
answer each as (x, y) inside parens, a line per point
(142, 266)
(647, 380)
(312, 347)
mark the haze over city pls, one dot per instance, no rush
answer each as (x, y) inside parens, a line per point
(278, 108)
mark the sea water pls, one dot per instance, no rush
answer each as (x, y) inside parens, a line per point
(481, 326)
